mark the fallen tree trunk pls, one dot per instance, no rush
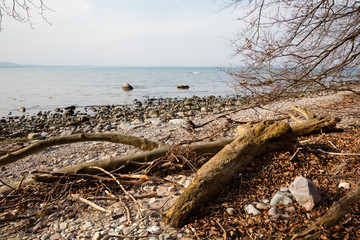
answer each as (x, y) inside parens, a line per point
(141, 143)
(224, 166)
(333, 215)
(129, 162)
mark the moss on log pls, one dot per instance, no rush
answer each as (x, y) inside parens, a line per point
(224, 166)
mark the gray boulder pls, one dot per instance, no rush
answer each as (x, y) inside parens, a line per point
(127, 87)
(305, 192)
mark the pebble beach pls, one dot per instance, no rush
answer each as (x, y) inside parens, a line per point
(161, 120)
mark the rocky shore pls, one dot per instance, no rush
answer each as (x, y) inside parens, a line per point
(162, 120)
(104, 117)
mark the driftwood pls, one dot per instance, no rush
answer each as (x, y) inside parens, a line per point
(141, 143)
(130, 163)
(126, 163)
(337, 211)
(253, 141)
(224, 166)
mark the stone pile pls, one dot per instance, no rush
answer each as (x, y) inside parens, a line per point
(301, 189)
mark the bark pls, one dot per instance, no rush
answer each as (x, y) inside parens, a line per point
(224, 166)
(312, 123)
(141, 143)
(337, 211)
(315, 125)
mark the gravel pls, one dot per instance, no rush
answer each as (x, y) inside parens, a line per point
(93, 224)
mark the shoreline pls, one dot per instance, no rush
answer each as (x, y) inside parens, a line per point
(171, 132)
(103, 117)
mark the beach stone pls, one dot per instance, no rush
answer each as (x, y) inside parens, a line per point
(125, 126)
(305, 192)
(127, 87)
(230, 211)
(22, 109)
(96, 236)
(34, 136)
(281, 197)
(262, 206)
(290, 209)
(155, 230)
(273, 211)
(177, 121)
(155, 121)
(344, 185)
(154, 114)
(63, 225)
(87, 225)
(250, 209)
(67, 133)
(137, 122)
(55, 236)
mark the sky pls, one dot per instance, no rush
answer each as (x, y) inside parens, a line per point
(123, 33)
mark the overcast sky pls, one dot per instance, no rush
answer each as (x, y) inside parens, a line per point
(123, 33)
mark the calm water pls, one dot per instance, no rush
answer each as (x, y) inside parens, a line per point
(47, 88)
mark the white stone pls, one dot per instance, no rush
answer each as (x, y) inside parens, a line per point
(33, 136)
(344, 185)
(281, 197)
(250, 209)
(230, 211)
(262, 206)
(155, 230)
(155, 121)
(305, 192)
(87, 225)
(177, 122)
(272, 211)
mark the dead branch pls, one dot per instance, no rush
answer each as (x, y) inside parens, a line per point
(76, 196)
(141, 143)
(224, 166)
(130, 163)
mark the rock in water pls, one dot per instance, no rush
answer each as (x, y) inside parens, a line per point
(127, 87)
(305, 192)
(22, 109)
(183, 86)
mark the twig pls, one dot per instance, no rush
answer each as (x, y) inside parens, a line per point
(75, 196)
(333, 145)
(295, 153)
(120, 185)
(150, 178)
(194, 231)
(7, 185)
(338, 154)
(128, 215)
(114, 198)
(222, 228)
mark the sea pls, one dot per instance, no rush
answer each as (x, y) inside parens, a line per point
(46, 88)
